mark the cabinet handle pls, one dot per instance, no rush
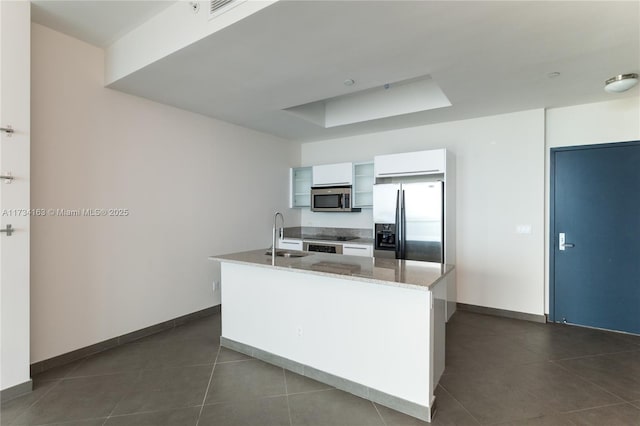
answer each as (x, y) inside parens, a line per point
(408, 173)
(8, 130)
(8, 230)
(333, 184)
(354, 248)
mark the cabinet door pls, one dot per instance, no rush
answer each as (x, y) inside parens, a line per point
(364, 250)
(300, 184)
(333, 174)
(290, 244)
(363, 185)
(410, 163)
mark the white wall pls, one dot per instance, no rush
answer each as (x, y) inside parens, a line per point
(14, 157)
(194, 187)
(500, 184)
(603, 122)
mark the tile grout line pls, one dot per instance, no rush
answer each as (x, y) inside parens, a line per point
(461, 404)
(36, 401)
(584, 379)
(475, 370)
(594, 355)
(597, 407)
(206, 392)
(312, 391)
(286, 392)
(119, 401)
(552, 362)
(524, 364)
(115, 373)
(68, 376)
(136, 413)
(236, 360)
(378, 411)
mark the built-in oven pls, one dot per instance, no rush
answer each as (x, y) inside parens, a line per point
(322, 247)
(332, 199)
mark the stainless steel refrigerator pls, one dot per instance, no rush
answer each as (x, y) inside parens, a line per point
(409, 220)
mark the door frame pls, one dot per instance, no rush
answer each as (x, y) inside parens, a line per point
(552, 212)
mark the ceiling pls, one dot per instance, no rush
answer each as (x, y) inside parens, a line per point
(487, 57)
(97, 22)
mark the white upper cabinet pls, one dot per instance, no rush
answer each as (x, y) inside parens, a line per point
(363, 185)
(300, 187)
(333, 174)
(410, 163)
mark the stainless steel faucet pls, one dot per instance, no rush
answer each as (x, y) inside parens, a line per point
(275, 235)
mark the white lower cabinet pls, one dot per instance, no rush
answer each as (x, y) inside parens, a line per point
(364, 250)
(290, 244)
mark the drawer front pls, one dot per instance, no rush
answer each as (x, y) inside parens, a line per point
(290, 244)
(357, 250)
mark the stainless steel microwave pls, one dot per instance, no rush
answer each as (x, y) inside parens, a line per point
(332, 199)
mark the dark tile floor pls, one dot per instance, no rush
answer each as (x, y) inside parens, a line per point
(499, 371)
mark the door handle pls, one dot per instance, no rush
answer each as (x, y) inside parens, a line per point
(562, 244)
(8, 130)
(9, 230)
(8, 178)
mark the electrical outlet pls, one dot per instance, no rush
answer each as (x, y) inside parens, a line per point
(299, 331)
(216, 285)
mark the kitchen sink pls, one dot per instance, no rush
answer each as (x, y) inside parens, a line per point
(288, 253)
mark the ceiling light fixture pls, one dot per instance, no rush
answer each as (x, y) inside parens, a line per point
(553, 74)
(349, 82)
(621, 83)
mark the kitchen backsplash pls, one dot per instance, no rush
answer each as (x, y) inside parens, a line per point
(307, 231)
(364, 219)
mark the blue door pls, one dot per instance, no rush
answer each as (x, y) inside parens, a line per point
(595, 207)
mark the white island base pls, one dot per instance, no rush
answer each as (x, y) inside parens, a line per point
(382, 342)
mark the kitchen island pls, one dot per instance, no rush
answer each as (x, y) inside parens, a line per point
(371, 327)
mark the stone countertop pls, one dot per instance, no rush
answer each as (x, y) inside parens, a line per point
(394, 272)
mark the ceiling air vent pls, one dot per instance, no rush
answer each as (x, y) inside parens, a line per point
(218, 7)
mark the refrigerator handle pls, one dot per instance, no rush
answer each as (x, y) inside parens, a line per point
(398, 227)
(442, 222)
(403, 219)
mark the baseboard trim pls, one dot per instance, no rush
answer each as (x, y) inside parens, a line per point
(502, 313)
(66, 358)
(16, 391)
(363, 391)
